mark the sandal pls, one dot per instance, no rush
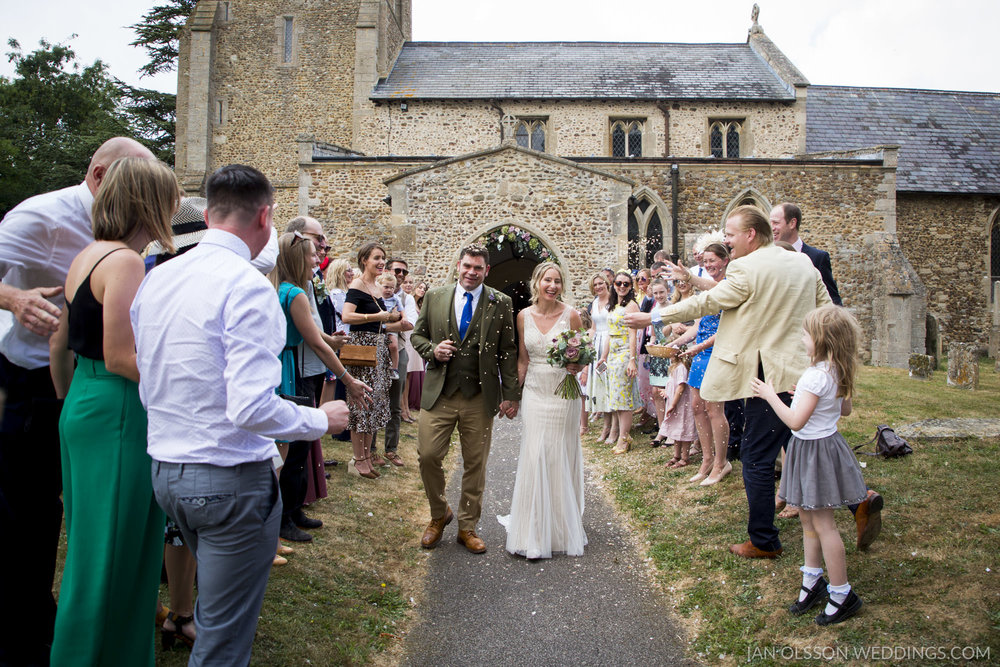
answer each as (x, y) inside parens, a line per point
(656, 442)
(623, 445)
(169, 637)
(671, 462)
(681, 463)
(352, 468)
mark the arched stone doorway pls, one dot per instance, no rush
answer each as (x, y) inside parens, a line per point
(514, 253)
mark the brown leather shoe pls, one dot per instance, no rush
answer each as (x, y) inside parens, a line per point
(868, 518)
(748, 550)
(435, 529)
(471, 541)
(393, 458)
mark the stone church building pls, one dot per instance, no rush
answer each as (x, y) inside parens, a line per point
(596, 154)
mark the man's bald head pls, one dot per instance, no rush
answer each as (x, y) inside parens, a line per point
(305, 225)
(111, 150)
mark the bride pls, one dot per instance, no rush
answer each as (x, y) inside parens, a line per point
(546, 512)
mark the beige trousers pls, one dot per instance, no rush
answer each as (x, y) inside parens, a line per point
(475, 432)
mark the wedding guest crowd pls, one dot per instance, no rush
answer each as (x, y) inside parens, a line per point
(194, 415)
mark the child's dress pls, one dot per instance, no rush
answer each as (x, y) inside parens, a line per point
(820, 469)
(678, 425)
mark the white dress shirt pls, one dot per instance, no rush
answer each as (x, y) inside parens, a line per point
(460, 300)
(39, 239)
(411, 312)
(208, 331)
(267, 258)
(311, 363)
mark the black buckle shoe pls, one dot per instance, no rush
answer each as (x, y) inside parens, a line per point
(813, 596)
(849, 607)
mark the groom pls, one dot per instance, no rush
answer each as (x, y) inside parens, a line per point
(466, 334)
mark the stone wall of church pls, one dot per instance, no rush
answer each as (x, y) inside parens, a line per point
(267, 102)
(443, 208)
(947, 240)
(770, 129)
(574, 129)
(347, 199)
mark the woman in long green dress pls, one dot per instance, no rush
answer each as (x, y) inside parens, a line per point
(114, 528)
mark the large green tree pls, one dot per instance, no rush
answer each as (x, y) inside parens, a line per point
(159, 33)
(53, 116)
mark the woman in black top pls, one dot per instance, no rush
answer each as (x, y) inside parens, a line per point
(114, 527)
(369, 320)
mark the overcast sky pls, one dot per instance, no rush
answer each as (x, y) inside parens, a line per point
(892, 43)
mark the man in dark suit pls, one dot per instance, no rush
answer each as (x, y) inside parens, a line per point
(465, 331)
(785, 221)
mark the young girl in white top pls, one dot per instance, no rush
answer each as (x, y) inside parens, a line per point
(821, 473)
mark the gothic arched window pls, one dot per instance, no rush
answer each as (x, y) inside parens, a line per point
(645, 231)
(725, 137)
(626, 138)
(530, 133)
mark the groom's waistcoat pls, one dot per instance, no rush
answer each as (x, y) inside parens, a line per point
(462, 373)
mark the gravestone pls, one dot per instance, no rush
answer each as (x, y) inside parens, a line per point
(921, 366)
(963, 365)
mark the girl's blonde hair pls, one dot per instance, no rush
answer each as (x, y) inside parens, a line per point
(336, 274)
(677, 296)
(135, 194)
(293, 260)
(536, 279)
(835, 334)
(585, 320)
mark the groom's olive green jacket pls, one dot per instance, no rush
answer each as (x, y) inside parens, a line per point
(488, 355)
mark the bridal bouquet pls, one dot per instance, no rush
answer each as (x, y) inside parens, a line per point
(571, 347)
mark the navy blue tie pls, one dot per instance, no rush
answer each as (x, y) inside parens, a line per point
(463, 325)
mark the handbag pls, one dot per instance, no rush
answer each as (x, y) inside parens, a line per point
(888, 445)
(357, 355)
(360, 355)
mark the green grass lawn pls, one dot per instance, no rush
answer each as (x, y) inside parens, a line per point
(929, 581)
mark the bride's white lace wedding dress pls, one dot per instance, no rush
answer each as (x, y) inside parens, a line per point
(546, 512)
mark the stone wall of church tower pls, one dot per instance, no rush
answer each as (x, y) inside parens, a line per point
(272, 70)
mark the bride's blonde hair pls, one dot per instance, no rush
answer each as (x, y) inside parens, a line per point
(536, 279)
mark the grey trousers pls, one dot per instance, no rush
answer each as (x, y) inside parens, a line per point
(395, 403)
(230, 519)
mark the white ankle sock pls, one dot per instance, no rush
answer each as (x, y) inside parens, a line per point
(810, 575)
(837, 594)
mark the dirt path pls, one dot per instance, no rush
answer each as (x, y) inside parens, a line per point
(498, 609)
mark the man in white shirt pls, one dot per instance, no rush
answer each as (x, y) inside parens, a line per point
(400, 270)
(208, 367)
(39, 238)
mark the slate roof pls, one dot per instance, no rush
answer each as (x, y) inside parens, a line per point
(949, 141)
(580, 70)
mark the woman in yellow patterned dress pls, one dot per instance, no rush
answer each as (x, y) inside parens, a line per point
(619, 355)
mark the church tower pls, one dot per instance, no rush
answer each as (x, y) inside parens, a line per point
(254, 75)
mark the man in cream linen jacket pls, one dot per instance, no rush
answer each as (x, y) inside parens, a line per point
(764, 299)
